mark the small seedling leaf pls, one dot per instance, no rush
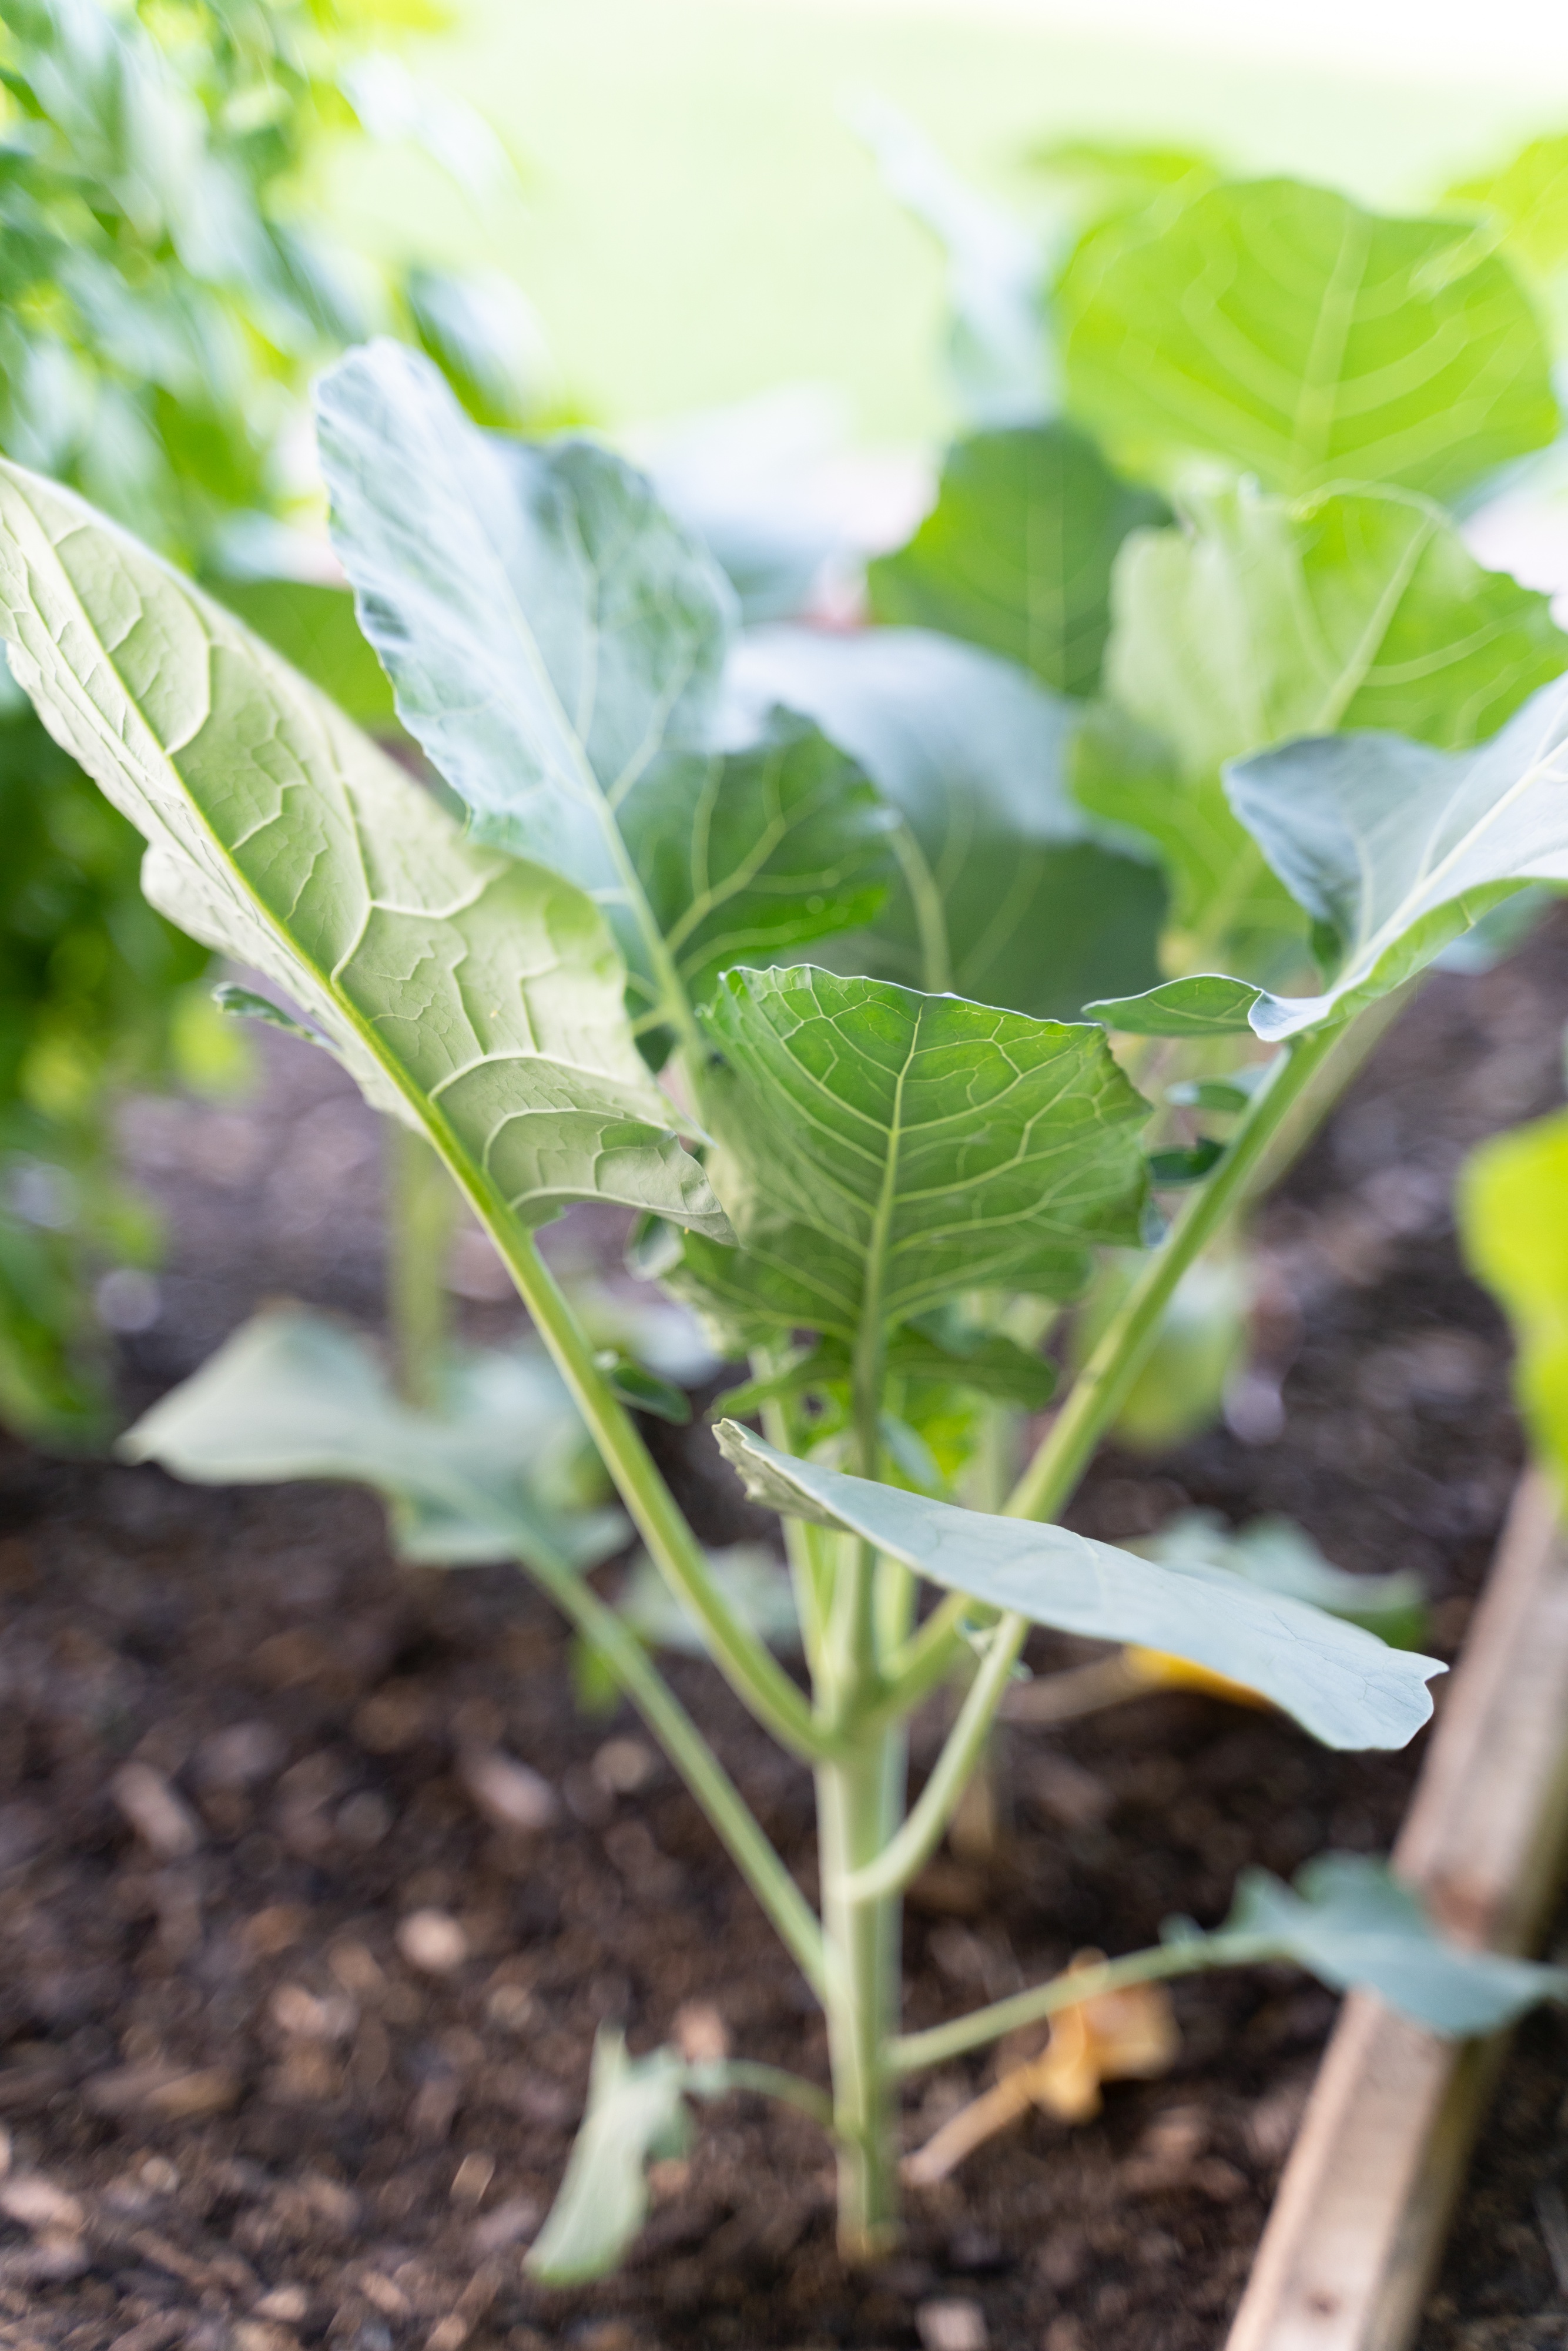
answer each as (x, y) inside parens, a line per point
(1351, 1923)
(636, 2114)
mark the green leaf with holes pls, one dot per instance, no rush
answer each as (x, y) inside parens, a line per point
(476, 998)
(880, 1151)
(1337, 1680)
(556, 643)
(1291, 334)
(1016, 554)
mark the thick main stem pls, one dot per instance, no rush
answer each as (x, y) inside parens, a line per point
(858, 1802)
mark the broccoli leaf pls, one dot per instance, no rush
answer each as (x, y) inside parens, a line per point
(1296, 336)
(1341, 1683)
(477, 997)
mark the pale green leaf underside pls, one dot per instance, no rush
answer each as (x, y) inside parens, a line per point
(1341, 1683)
(635, 2111)
(1296, 336)
(1016, 554)
(1004, 895)
(880, 1151)
(1398, 848)
(1350, 1923)
(479, 997)
(1207, 1004)
(548, 629)
(292, 1394)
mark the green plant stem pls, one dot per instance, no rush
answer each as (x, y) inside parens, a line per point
(422, 1207)
(1046, 1484)
(858, 1802)
(727, 1810)
(906, 1853)
(712, 2081)
(1100, 1387)
(745, 1662)
(913, 2052)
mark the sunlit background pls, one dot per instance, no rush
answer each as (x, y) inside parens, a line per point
(697, 219)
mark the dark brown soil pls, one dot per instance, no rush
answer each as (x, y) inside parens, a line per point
(241, 2115)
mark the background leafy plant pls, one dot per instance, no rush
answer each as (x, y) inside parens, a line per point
(166, 286)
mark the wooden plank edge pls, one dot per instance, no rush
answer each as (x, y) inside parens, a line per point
(1363, 2207)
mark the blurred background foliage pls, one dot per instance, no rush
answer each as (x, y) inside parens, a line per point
(168, 285)
(201, 201)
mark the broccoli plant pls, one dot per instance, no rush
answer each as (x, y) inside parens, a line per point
(756, 966)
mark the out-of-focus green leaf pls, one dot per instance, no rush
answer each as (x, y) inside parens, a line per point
(1000, 363)
(292, 1394)
(754, 1581)
(1514, 1216)
(880, 1153)
(1396, 849)
(1351, 1923)
(315, 629)
(1340, 1682)
(478, 997)
(1261, 620)
(1002, 892)
(1277, 1555)
(1016, 554)
(1202, 1336)
(1527, 203)
(1290, 334)
(938, 1352)
(636, 2113)
(745, 481)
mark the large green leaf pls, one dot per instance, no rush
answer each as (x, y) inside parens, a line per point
(1337, 1680)
(556, 643)
(1291, 334)
(1262, 619)
(292, 1394)
(1003, 894)
(882, 1151)
(475, 996)
(1351, 1923)
(1513, 1214)
(1016, 554)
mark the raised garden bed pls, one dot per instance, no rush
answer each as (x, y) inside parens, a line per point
(258, 2113)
